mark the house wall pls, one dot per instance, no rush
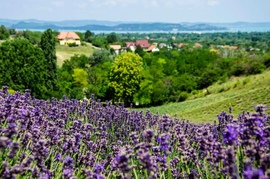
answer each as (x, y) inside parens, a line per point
(65, 41)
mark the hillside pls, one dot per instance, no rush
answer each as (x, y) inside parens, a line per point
(241, 93)
(64, 52)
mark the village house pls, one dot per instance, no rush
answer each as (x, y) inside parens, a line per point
(131, 46)
(198, 45)
(233, 47)
(161, 45)
(181, 45)
(66, 38)
(116, 48)
(143, 43)
(152, 48)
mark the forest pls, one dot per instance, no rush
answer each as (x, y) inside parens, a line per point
(28, 61)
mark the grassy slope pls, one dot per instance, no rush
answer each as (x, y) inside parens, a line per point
(241, 93)
(64, 52)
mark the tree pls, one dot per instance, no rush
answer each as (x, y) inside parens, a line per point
(111, 38)
(22, 66)
(72, 77)
(4, 33)
(125, 76)
(33, 37)
(47, 45)
(99, 42)
(98, 79)
(100, 56)
(139, 50)
(88, 36)
(80, 77)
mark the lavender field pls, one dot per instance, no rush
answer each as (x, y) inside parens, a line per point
(88, 139)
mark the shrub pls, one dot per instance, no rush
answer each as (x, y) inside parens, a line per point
(73, 44)
(255, 67)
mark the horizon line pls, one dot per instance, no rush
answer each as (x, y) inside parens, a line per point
(33, 19)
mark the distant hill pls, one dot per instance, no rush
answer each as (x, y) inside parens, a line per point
(95, 25)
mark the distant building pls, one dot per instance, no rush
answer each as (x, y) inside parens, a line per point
(153, 48)
(128, 44)
(233, 47)
(143, 43)
(161, 45)
(131, 45)
(116, 48)
(66, 38)
(198, 45)
(181, 45)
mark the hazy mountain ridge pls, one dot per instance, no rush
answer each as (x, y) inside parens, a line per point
(105, 25)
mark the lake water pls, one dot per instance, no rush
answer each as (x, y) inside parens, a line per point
(231, 29)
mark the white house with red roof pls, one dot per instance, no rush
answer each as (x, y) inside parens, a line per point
(116, 48)
(153, 48)
(66, 38)
(143, 43)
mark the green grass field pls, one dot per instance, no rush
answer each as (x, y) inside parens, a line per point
(65, 52)
(241, 93)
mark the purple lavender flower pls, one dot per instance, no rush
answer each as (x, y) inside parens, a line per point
(252, 173)
(58, 157)
(68, 162)
(230, 135)
(260, 109)
(98, 168)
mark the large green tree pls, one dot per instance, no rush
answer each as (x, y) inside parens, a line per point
(22, 66)
(99, 57)
(111, 38)
(4, 33)
(88, 36)
(47, 45)
(125, 76)
(69, 77)
(98, 79)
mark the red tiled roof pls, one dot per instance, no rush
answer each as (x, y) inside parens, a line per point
(233, 47)
(181, 45)
(151, 47)
(67, 35)
(197, 45)
(142, 43)
(128, 44)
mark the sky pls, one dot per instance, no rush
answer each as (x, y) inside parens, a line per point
(138, 10)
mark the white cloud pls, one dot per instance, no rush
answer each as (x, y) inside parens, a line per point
(117, 2)
(151, 3)
(213, 2)
(82, 5)
(58, 3)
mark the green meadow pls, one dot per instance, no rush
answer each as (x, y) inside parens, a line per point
(64, 52)
(241, 93)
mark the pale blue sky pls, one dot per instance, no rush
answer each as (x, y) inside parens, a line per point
(138, 10)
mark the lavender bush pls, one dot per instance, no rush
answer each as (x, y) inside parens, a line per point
(87, 139)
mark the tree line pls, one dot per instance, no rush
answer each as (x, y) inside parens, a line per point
(147, 79)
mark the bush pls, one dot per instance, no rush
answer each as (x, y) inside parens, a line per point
(255, 67)
(246, 80)
(182, 96)
(238, 69)
(73, 44)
